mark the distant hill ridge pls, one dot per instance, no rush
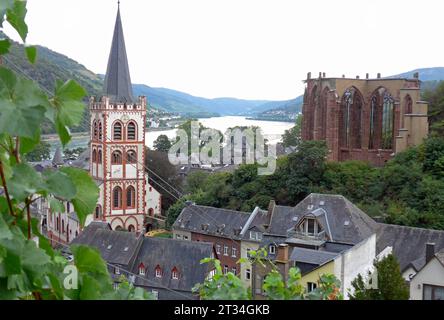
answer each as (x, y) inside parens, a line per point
(52, 65)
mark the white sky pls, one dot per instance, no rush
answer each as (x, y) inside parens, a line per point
(253, 49)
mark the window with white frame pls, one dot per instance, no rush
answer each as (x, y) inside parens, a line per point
(142, 270)
(254, 235)
(155, 294)
(272, 249)
(233, 252)
(175, 274)
(158, 272)
(311, 286)
(225, 250)
(116, 270)
(218, 248)
(225, 269)
(234, 270)
(248, 274)
(116, 285)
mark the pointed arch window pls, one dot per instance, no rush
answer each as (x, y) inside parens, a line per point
(117, 198)
(387, 121)
(373, 121)
(408, 108)
(131, 131)
(131, 156)
(100, 131)
(95, 130)
(98, 213)
(116, 157)
(117, 131)
(351, 111)
(130, 197)
(99, 157)
(94, 156)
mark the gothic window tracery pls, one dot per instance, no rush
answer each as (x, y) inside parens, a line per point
(117, 131)
(131, 131)
(116, 157)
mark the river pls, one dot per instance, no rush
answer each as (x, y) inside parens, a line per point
(272, 130)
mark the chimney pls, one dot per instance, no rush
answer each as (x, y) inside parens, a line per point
(357, 77)
(430, 251)
(271, 206)
(309, 76)
(366, 75)
(343, 75)
(282, 253)
(416, 75)
(378, 76)
(323, 75)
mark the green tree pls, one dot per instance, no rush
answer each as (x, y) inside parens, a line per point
(293, 136)
(29, 267)
(162, 143)
(435, 98)
(390, 286)
(41, 152)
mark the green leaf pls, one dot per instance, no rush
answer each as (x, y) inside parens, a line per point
(69, 107)
(23, 106)
(5, 44)
(15, 15)
(31, 53)
(24, 182)
(59, 184)
(56, 206)
(88, 260)
(5, 233)
(33, 257)
(85, 200)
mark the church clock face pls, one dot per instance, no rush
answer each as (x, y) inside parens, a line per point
(125, 118)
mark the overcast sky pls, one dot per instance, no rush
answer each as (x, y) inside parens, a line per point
(254, 49)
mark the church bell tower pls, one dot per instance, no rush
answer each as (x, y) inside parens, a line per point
(118, 144)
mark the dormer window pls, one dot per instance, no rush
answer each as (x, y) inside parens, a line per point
(175, 274)
(117, 270)
(141, 269)
(254, 235)
(158, 272)
(310, 227)
(272, 249)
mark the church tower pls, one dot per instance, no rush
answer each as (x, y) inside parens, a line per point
(118, 144)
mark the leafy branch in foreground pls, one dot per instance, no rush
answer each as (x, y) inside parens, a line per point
(228, 286)
(29, 267)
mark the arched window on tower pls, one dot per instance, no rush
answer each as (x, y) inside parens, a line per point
(94, 156)
(95, 130)
(131, 156)
(99, 157)
(98, 213)
(131, 131)
(100, 131)
(387, 121)
(117, 131)
(130, 197)
(116, 157)
(117, 198)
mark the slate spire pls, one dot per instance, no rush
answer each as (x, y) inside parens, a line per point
(117, 84)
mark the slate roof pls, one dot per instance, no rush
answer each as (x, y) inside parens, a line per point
(312, 256)
(128, 250)
(185, 256)
(82, 162)
(409, 244)
(344, 222)
(116, 247)
(217, 222)
(117, 83)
